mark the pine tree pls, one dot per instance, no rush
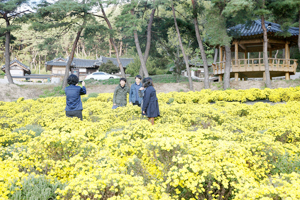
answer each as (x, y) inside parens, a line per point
(222, 16)
(63, 16)
(203, 54)
(9, 11)
(132, 21)
(111, 39)
(182, 49)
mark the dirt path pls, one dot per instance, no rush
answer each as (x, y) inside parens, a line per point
(13, 92)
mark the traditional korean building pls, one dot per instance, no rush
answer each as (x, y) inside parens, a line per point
(81, 67)
(250, 39)
(17, 68)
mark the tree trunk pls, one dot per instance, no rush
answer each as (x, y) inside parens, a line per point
(121, 48)
(114, 45)
(216, 56)
(182, 49)
(203, 55)
(147, 50)
(265, 53)
(83, 48)
(226, 83)
(299, 29)
(138, 48)
(109, 47)
(64, 85)
(7, 55)
(39, 63)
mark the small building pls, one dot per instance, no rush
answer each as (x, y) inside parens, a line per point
(81, 67)
(250, 39)
(17, 68)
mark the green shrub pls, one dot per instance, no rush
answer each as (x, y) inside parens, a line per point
(171, 100)
(35, 188)
(35, 128)
(109, 67)
(84, 99)
(93, 95)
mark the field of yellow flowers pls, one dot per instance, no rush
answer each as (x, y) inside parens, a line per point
(195, 150)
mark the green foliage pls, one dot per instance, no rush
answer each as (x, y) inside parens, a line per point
(109, 67)
(57, 91)
(93, 95)
(153, 67)
(84, 99)
(284, 164)
(2, 74)
(35, 188)
(35, 128)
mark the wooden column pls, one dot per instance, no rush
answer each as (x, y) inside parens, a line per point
(286, 51)
(289, 56)
(246, 54)
(264, 76)
(236, 55)
(220, 78)
(287, 76)
(270, 60)
(236, 76)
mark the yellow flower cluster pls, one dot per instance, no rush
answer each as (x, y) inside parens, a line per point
(195, 150)
(205, 96)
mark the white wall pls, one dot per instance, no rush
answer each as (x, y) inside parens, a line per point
(17, 72)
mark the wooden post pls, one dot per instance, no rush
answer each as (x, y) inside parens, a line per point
(287, 76)
(236, 55)
(236, 76)
(221, 54)
(221, 58)
(289, 56)
(264, 76)
(246, 54)
(220, 78)
(286, 52)
(270, 60)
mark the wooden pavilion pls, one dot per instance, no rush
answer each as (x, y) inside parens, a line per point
(249, 38)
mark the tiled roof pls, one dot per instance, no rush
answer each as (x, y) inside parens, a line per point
(255, 28)
(85, 63)
(17, 61)
(124, 61)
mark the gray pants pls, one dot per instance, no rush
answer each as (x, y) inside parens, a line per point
(74, 113)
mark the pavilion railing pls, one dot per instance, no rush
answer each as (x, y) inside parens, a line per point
(257, 64)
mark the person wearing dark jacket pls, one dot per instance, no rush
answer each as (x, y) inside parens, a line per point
(150, 103)
(134, 97)
(73, 100)
(120, 94)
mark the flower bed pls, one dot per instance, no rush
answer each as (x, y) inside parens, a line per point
(195, 150)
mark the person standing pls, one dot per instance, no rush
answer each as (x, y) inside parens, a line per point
(134, 97)
(73, 99)
(120, 94)
(150, 101)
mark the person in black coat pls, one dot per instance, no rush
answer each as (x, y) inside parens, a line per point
(150, 103)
